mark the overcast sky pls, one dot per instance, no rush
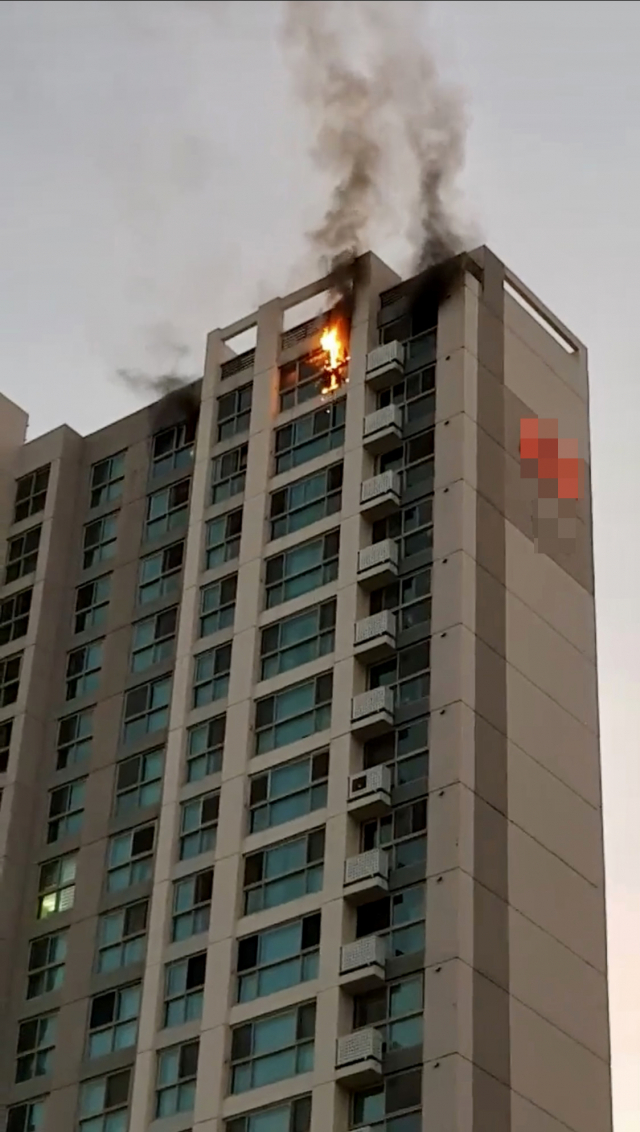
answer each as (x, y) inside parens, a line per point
(155, 182)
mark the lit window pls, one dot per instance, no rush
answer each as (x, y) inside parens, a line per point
(57, 886)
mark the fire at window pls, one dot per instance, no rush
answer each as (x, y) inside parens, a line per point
(333, 345)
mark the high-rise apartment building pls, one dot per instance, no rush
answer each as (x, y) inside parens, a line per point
(301, 822)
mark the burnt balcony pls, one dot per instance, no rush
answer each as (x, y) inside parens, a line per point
(375, 636)
(385, 365)
(378, 564)
(362, 964)
(366, 877)
(382, 430)
(372, 713)
(369, 793)
(380, 495)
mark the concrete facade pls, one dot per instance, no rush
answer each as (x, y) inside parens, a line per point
(511, 1033)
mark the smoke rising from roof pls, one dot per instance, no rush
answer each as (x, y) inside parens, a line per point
(373, 90)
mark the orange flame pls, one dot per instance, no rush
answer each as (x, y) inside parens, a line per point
(336, 361)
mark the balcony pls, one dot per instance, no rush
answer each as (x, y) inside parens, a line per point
(380, 495)
(366, 877)
(382, 430)
(375, 636)
(359, 1058)
(369, 793)
(372, 713)
(378, 564)
(385, 365)
(362, 964)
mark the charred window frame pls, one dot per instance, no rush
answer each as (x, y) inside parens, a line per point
(103, 1102)
(139, 782)
(288, 791)
(191, 908)
(66, 810)
(177, 1074)
(184, 990)
(273, 1048)
(46, 964)
(234, 412)
(154, 639)
(298, 640)
(92, 603)
(407, 673)
(160, 573)
(75, 733)
(228, 474)
(211, 675)
(57, 886)
(22, 554)
(306, 501)
(167, 510)
(409, 598)
(310, 436)
(130, 858)
(402, 833)
(284, 872)
(113, 1020)
(294, 713)
(218, 605)
(277, 958)
(205, 746)
(122, 936)
(302, 569)
(222, 539)
(84, 666)
(173, 449)
(31, 494)
(107, 480)
(198, 825)
(10, 679)
(6, 730)
(146, 709)
(300, 381)
(14, 616)
(404, 750)
(100, 540)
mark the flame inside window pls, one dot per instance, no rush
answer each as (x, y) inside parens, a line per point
(336, 358)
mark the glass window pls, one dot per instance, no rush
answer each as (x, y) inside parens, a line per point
(9, 679)
(146, 709)
(176, 1079)
(47, 958)
(297, 640)
(404, 750)
(139, 781)
(27, 1117)
(211, 675)
(284, 872)
(294, 713)
(154, 639)
(184, 990)
(278, 958)
(103, 1103)
(75, 733)
(302, 569)
(415, 394)
(6, 729)
(288, 791)
(310, 436)
(413, 460)
(99, 540)
(174, 448)
(22, 554)
(130, 858)
(402, 831)
(218, 605)
(300, 381)
(205, 744)
(273, 1048)
(36, 1044)
(113, 1020)
(92, 603)
(167, 510)
(398, 1098)
(66, 810)
(160, 573)
(412, 527)
(192, 905)
(396, 1010)
(409, 598)
(222, 539)
(31, 494)
(306, 501)
(400, 918)
(234, 412)
(290, 1116)
(107, 480)
(14, 616)
(56, 886)
(122, 936)
(407, 673)
(228, 474)
(198, 825)
(83, 670)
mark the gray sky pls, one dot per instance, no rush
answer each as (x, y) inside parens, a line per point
(155, 182)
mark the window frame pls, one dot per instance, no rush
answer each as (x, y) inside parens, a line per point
(306, 386)
(273, 733)
(228, 484)
(320, 639)
(183, 1084)
(302, 961)
(203, 905)
(115, 472)
(403, 686)
(397, 920)
(119, 1023)
(213, 751)
(20, 1117)
(221, 615)
(277, 591)
(291, 1107)
(86, 680)
(143, 857)
(395, 527)
(46, 1032)
(151, 712)
(299, 451)
(167, 580)
(217, 682)
(137, 794)
(397, 598)
(25, 562)
(398, 845)
(32, 501)
(79, 743)
(316, 788)
(6, 734)
(310, 871)
(391, 1021)
(287, 515)
(16, 624)
(59, 888)
(385, 1121)
(88, 1117)
(105, 546)
(94, 614)
(302, 1046)
(66, 822)
(203, 836)
(189, 998)
(10, 673)
(180, 454)
(413, 473)
(388, 750)
(237, 421)
(130, 945)
(161, 629)
(230, 543)
(51, 972)
(400, 393)
(174, 517)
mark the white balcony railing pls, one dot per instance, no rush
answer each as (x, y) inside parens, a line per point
(372, 702)
(388, 417)
(378, 554)
(362, 1045)
(386, 483)
(367, 866)
(382, 624)
(375, 779)
(389, 354)
(371, 951)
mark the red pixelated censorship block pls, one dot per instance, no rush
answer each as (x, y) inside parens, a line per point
(553, 461)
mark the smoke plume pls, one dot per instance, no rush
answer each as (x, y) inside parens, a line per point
(366, 110)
